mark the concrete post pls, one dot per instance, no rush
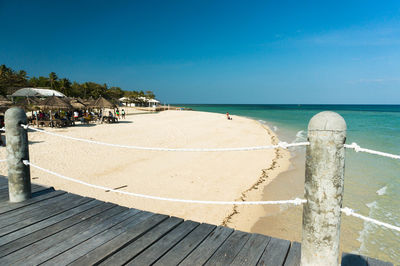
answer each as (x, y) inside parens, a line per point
(323, 190)
(19, 180)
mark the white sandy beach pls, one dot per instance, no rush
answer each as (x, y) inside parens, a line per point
(216, 176)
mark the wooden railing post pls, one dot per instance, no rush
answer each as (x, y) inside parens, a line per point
(323, 190)
(19, 180)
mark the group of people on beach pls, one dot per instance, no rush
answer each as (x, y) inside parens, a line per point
(117, 113)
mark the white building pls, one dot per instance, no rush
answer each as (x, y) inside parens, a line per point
(147, 102)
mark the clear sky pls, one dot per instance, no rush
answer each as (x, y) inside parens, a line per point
(213, 51)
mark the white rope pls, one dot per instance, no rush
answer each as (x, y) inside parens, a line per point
(350, 212)
(357, 148)
(3, 129)
(4, 160)
(283, 145)
(296, 201)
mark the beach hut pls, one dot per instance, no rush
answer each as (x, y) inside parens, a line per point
(153, 103)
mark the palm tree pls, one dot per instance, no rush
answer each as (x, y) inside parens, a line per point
(53, 78)
(65, 86)
(150, 95)
(85, 87)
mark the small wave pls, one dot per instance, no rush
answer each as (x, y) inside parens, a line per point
(275, 128)
(372, 205)
(300, 136)
(368, 228)
(381, 191)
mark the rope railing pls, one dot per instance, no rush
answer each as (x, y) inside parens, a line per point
(357, 148)
(283, 145)
(350, 212)
(295, 201)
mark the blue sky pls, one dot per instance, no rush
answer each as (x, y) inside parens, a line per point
(213, 51)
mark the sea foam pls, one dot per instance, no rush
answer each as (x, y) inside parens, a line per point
(381, 191)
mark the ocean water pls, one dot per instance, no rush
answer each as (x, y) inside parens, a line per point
(372, 183)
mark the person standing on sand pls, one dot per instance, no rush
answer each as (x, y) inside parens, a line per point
(123, 114)
(117, 113)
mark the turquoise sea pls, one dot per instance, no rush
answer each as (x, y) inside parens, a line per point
(372, 183)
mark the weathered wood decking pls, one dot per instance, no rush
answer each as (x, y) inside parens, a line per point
(60, 228)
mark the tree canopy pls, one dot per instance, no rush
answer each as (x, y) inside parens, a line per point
(10, 78)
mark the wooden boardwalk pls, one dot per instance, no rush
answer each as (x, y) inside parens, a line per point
(60, 228)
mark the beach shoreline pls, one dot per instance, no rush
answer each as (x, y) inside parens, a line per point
(244, 218)
(217, 176)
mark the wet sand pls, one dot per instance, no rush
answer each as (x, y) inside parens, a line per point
(285, 221)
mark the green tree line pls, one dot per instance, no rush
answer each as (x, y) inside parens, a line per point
(10, 78)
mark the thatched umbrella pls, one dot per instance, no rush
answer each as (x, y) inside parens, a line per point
(4, 105)
(28, 103)
(54, 102)
(3, 99)
(102, 103)
(89, 101)
(76, 104)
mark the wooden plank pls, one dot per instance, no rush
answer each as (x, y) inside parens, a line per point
(186, 246)
(154, 252)
(111, 247)
(4, 195)
(3, 179)
(42, 191)
(53, 229)
(7, 206)
(69, 243)
(48, 222)
(275, 252)
(252, 250)
(134, 248)
(30, 210)
(4, 191)
(375, 262)
(42, 214)
(98, 240)
(353, 260)
(227, 252)
(48, 242)
(294, 255)
(208, 247)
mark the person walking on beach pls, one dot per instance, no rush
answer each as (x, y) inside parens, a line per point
(117, 113)
(123, 114)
